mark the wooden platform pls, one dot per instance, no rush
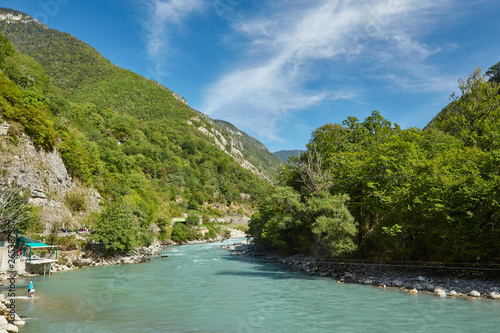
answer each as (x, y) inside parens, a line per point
(39, 266)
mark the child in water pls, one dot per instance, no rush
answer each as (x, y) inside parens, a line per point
(31, 291)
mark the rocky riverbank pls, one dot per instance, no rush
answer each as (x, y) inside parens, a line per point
(70, 261)
(9, 322)
(443, 282)
(97, 257)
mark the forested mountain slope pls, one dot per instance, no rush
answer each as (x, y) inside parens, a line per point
(148, 154)
(84, 76)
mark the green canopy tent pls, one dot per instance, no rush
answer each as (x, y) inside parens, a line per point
(31, 246)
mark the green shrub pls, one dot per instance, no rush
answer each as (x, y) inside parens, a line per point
(116, 229)
(76, 201)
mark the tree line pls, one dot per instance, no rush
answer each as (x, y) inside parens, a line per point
(370, 189)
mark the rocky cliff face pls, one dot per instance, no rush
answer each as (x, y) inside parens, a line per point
(229, 144)
(45, 177)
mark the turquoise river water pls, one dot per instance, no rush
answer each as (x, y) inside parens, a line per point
(202, 288)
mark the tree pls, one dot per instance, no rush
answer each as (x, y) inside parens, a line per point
(494, 73)
(333, 226)
(116, 229)
(192, 220)
(14, 208)
(475, 116)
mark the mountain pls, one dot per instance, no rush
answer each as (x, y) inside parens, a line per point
(85, 76)
(131, 139)
(283, 155)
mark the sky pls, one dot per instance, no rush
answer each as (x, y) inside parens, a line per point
(280, 69)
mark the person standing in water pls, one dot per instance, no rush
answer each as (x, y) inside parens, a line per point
(30, 286)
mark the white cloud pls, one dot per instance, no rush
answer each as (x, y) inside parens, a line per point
(161, 17)
(291, 47)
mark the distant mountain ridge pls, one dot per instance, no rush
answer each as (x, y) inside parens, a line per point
(284, 155)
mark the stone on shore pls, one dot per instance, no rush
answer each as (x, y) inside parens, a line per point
(453, 293)
(397, 283)
(413, 291)
(494, 295)
(439, 292)
(3, 323)
(12, 328)
(474, 293)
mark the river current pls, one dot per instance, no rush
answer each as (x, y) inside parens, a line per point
(202, 288)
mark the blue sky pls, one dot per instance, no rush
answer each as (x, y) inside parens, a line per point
(280, 69)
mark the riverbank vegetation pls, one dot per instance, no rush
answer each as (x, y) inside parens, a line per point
(370, 189)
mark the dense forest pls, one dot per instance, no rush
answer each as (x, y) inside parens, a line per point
(125, 135)
(370, 189)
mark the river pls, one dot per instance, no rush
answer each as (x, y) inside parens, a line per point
(202, 288)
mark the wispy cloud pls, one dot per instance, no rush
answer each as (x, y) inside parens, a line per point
(301, 42)
(161, 17)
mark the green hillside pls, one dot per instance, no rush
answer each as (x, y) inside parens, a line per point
(125, 135)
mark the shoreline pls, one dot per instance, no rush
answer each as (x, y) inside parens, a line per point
(72, 260)
(442, 282)
(92, 259)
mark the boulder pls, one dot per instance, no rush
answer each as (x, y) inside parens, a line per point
(3, 323)
(429, 287)
(413, 291)
(453, 293)
(12, 328)
(397, 283)
(420, 278)
(474, 293)
(439, 292)
(494, 295)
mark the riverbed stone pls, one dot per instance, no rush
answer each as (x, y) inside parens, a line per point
(413, 291)
(429, 287)
(453, 293)
(3, 323)
(12, 328)
(439, 292)
(494, 295)
(397, 283)
(474, 293)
